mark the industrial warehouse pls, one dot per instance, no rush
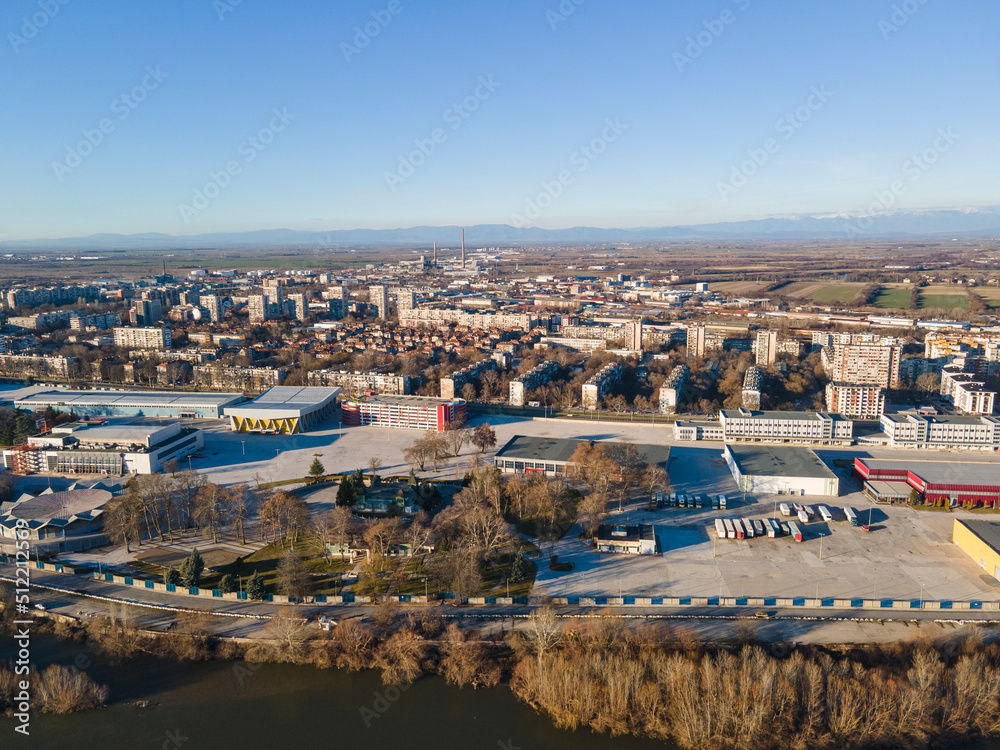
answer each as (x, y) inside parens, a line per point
(411, 412)
(285, 410)
(980, 540)
(550, 456)
(969, 483)
(114, 450)
(132, 403)
(780, 470)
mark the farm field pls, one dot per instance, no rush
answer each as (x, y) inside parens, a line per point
(944, 301)
(893, 298)
(739, 287)
(990, 295)
(822, 291)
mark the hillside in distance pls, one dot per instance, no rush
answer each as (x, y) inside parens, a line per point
(939, 224)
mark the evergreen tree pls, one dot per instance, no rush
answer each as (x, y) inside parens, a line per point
(255, 587)
(192, 568)
(228, 584)
(518, 570)
(346, 496)
(316, 470)
(172, 576)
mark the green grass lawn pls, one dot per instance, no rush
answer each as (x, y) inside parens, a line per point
(944, 301)
(326, 574)
(843, 292)
(898, 299)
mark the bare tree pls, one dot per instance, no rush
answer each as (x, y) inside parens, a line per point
(210, 511)
(374, 463)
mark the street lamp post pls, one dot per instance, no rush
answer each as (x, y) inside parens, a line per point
(244, 444)
(277, 458)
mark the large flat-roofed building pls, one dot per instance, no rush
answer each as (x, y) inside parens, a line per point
(284, 410)
(140, 448)
(550, 456)
(952, 482)
(980, 540)
(820, 428)
(908, 430)
(65, 521)
(780, 470)
(410, 412)
(132, 403)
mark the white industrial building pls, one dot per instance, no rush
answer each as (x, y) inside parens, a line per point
(780, 470)
(909, 430)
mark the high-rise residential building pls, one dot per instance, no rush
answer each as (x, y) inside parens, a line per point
(672, 390)
(301, 303)
(378, 296)
(530, 380)
(866, 364)
(274, 289)
(633, 336)
(600, 385)
(336, 308)
(767, 347)
(855, 400)
(259, 306)
(406, 299)
(213, 306)
(753, 380)
(142, 338)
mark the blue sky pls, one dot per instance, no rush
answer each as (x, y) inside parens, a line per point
(510, 100)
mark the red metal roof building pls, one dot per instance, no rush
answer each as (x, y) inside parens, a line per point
(955, 482)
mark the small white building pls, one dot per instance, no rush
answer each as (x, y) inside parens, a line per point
(629, 540)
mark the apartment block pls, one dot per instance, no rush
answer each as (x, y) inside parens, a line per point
(142, 338)
(600, 385)
(532, 379)
(451, 385)
(855, 400)
(869, 364)
(753, 380)
(360, 383)
(672, 390)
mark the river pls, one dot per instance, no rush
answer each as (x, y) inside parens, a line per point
(221, 705)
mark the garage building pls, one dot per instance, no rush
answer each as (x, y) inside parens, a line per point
(779, 470)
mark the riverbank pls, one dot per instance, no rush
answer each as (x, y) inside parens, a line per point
(622, 677)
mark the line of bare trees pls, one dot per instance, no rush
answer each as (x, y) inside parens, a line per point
(161, 506)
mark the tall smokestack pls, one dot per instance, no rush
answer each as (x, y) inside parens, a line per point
(435, 255)
(463, 250)
(164, 266)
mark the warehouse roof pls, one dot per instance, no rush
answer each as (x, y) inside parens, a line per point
(968, 473)
(779, 415)
(778, 461)
(287, 401)
(69, 398)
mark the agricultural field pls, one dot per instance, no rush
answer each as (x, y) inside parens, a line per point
(895, 298)
(739, 287)
(944, 297)
(822, 291)
(990, 295)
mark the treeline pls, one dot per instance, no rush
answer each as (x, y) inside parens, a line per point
(653, 680)
(56, 689)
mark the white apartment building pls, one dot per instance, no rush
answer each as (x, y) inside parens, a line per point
(855, 400)
(600, 385)
(919, 431)
(744, 425)
(532, 379)
(359, 383)
(504, 321)
(672, 390)
(753, 380)
(378, 296)
(142, 338)
(870, 364)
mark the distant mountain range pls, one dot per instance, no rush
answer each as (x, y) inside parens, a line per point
(982, 222)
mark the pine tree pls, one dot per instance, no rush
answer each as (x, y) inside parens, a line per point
(346, 496)
(228, 584)
(192, 568)
(316, 470)
(255, 587)
(171, 576)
